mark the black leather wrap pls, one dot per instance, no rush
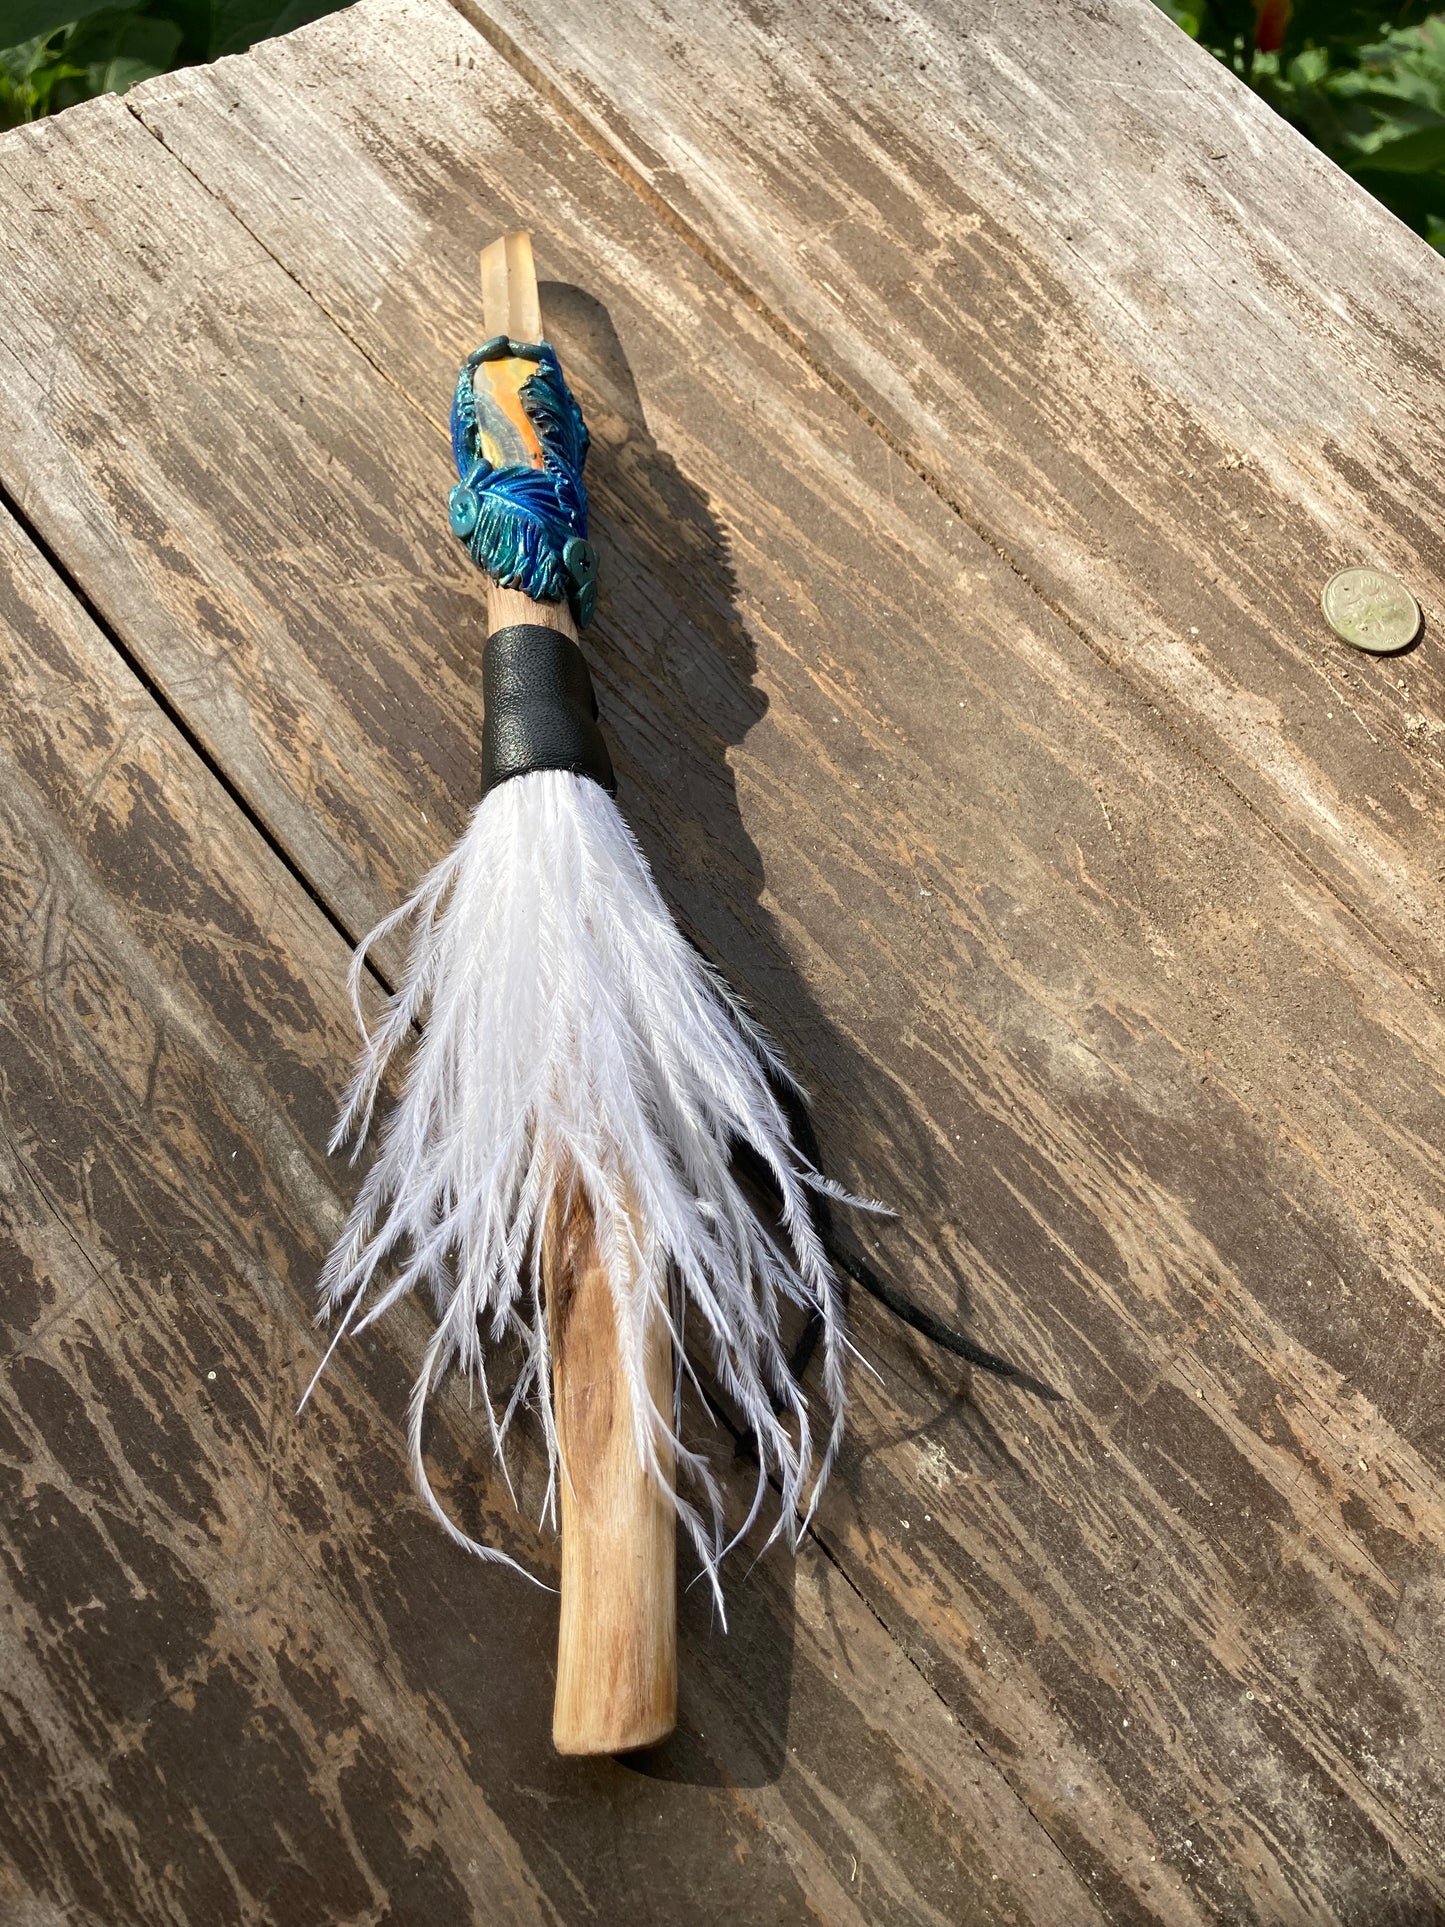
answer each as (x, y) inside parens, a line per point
(539, 711)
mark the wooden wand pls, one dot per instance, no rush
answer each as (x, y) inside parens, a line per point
(617, 1643)
(559, 1168)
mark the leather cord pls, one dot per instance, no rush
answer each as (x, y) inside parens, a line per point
(539, 709)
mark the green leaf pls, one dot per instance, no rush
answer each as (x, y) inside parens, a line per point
(1422, 152)
(1182, 15)
(22, 20)
(197, 22)
(300, 13)
(31, 76)
(1347, 25)
(22, 64)
(121, 46)
(241, 23)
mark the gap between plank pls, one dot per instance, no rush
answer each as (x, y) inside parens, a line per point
(158, 695)
(598, 143)
(996, 1766)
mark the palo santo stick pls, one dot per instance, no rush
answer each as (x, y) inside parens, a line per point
(617, 1642)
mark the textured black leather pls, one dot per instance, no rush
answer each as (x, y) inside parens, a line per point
(539, 711)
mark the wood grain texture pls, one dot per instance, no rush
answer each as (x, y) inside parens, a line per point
(244, 1679)
(1153, 1086)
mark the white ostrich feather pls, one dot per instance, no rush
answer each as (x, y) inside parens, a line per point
(572, 1036)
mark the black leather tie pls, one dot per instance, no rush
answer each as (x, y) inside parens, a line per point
(539, 711)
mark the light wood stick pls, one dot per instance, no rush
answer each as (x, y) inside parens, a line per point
(510, 302)
(617, 1641)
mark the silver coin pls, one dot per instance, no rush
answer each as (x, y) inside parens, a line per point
(1370, 610)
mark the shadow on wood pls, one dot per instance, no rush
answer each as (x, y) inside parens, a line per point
(663, 550)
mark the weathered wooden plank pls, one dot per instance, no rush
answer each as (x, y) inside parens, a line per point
(1044, 970)
(245, 1680)
(257, 551)
(1149, 342)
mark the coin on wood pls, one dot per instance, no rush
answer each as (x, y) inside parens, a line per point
(1370, 610)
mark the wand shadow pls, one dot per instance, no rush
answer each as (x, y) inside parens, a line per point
(675, 669)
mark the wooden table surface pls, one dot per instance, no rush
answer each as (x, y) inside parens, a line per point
(980, 397)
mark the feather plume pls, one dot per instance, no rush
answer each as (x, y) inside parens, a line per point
(573, 1038)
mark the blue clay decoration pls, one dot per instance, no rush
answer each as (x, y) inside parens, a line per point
(527, 527)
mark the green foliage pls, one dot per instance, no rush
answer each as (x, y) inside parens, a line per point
(63, 51)
(1365, 83)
